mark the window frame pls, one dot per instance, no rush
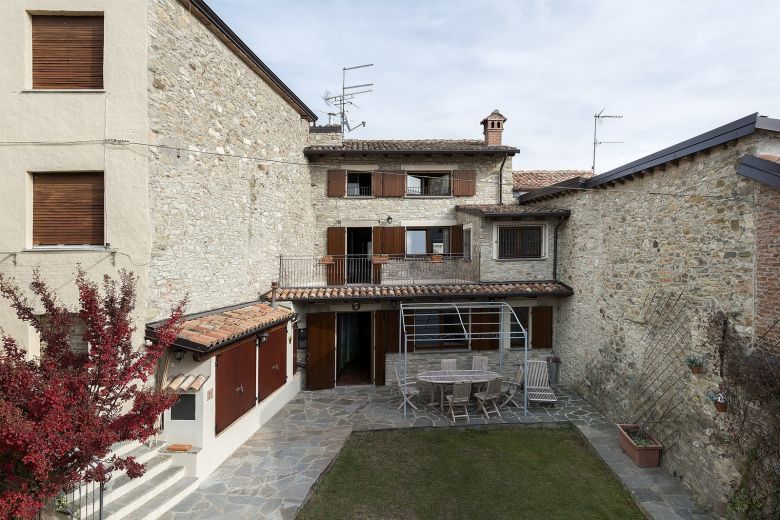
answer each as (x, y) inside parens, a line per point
(467, 251)
(425, 174)
(520, 224)
(428, 241)
(360, 173)
(445, 346)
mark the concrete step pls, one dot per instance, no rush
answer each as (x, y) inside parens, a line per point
(139, 497)
(120, 449)
(165, 500)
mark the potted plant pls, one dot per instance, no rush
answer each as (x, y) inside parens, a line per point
(553, 363)
(379, 259)
(695, 363)
(326, 260)
(639, 445)
(437, 259)
(719, 396)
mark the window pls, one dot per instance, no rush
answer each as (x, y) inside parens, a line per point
(428, 241)
(184, 408)
(522, 314)
(67, 52)
(467, 243)
(520, 241)
(68, 209)
(440, 330)
(431, 184)
(359, 184)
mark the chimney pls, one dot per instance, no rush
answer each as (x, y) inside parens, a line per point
(493, 127)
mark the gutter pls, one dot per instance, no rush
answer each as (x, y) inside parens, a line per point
(501, 180)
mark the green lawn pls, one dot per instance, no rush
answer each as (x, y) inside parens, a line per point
(536, 473)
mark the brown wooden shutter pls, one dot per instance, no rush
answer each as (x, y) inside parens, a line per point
(337, 248)
(337, 183)
(394, 240)
(321, 365)
(296, 333)
(386, 334)
(68, 209)
(377, 249)
(235, 383)
(541, 327)
(464, 183)
(456, 239)
(67, 52)
(272, 362)
(393, 183)
(376, 184)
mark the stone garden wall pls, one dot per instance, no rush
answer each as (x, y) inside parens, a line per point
(219, 223)
(687, 230)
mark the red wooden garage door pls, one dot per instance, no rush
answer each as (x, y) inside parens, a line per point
(272, 373)
(235, 383)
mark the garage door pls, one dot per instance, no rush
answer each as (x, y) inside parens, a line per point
(272, 373)
(235, 383)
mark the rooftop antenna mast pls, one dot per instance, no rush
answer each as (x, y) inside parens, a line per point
(348, 94)
(596, 142)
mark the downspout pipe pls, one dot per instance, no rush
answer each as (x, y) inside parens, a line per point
(555, 250)
(501, 180)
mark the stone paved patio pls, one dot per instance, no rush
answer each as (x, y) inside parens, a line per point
(271, 474)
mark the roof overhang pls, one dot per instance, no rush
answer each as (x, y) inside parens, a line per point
(761, 170)
(520, 213)
(352, 153)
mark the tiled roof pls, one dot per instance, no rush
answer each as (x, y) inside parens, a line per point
(362, 146)
(185, 382)
(529, 180)
(406, 292)
(511, 210)
(208, 331)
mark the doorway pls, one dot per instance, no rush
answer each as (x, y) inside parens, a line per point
(353, 348)
(359, 255)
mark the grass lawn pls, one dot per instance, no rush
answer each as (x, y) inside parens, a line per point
(534, 473)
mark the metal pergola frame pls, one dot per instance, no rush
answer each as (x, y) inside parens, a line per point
(457, 330)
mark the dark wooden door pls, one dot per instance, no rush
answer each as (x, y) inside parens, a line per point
(485, 327)
(337, 248)
(541, 327)
(321, 366)
(235, 383)
(386, 334)
(272, 362)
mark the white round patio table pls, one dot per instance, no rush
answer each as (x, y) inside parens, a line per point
(442, 378)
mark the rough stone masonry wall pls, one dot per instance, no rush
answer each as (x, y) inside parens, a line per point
(618, 250)
(219, 223)
(768, 268)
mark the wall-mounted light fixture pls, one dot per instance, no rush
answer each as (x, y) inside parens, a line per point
(178, 354)
(389, 219)
(263, 337)
(356, 306)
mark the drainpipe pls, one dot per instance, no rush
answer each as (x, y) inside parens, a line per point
(555, 250)
(501, 180)
(274, 288)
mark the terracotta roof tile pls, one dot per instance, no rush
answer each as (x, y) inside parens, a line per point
(373, 292)
(511, 210)
(360, 146)
(529, 180)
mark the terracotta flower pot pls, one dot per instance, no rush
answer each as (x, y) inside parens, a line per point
(696, 369)
(721, 407)
(643, 456)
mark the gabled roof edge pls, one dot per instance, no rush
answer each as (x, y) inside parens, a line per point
(761, 170)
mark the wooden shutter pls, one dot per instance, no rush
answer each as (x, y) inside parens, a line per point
(296, 339)
(464, 183)
(456, 240)
(235, 383)
(376, 249)
(394, 240)
(337, 183)
(376, 183)
(386, 334)
(321, 365)
(337, 248)
(272, 362)
(541, 327)
(393, 183)
(67, 52)
(68, 209)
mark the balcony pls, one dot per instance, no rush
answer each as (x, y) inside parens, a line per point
(339, 270)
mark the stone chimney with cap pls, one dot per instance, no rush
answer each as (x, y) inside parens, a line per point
(493, 127)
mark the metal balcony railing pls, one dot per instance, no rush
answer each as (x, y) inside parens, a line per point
(358, 191)
(335, 270)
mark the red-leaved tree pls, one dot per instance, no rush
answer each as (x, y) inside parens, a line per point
(60, 413)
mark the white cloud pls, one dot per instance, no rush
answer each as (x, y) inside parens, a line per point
(673, 69)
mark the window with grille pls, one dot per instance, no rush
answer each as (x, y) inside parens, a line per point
(517, 242)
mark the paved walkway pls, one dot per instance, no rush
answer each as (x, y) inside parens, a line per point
(271, 474)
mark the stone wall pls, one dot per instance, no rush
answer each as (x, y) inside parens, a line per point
(219, 223)
(768, 267)
(687, 229)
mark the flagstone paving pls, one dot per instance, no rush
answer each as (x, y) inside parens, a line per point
(271, 474)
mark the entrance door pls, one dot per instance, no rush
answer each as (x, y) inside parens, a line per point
(359, 255)
(272, 362)
(353, 355)
(321, 339)
(235, 383)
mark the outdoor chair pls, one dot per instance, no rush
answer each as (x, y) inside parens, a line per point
(449, 364)
(461, 392)
(479, 363)
(489, 397)
(510, 389)
(538, 381)
(408, 390)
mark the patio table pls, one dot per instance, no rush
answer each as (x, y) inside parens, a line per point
(442, 378)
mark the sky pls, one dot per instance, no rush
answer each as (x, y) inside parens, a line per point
(672, 69)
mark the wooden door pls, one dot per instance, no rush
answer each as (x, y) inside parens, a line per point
(541, 327)
(486, 324)
(337, 248)
(235, 383)
(321, 366)
(386, 334)
(272, 362)
(394, 240)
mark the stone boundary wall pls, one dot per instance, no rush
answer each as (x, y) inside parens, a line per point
(219, 223)
(619, 249)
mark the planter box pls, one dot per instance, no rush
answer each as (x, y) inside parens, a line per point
(379, 259)
(327, 260)
(643, 456)
(437, 259)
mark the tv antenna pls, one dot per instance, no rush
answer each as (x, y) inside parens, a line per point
(346, 98)
(596, 118)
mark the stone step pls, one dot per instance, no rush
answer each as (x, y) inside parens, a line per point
(143, 494)
(165, 500)
(120, 449)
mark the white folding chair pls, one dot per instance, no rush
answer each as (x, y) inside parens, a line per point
(461, 392)
(449, 364)
(479, 363)
(538, 382)
(489, 397)
(408, 390)
(512, 386)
